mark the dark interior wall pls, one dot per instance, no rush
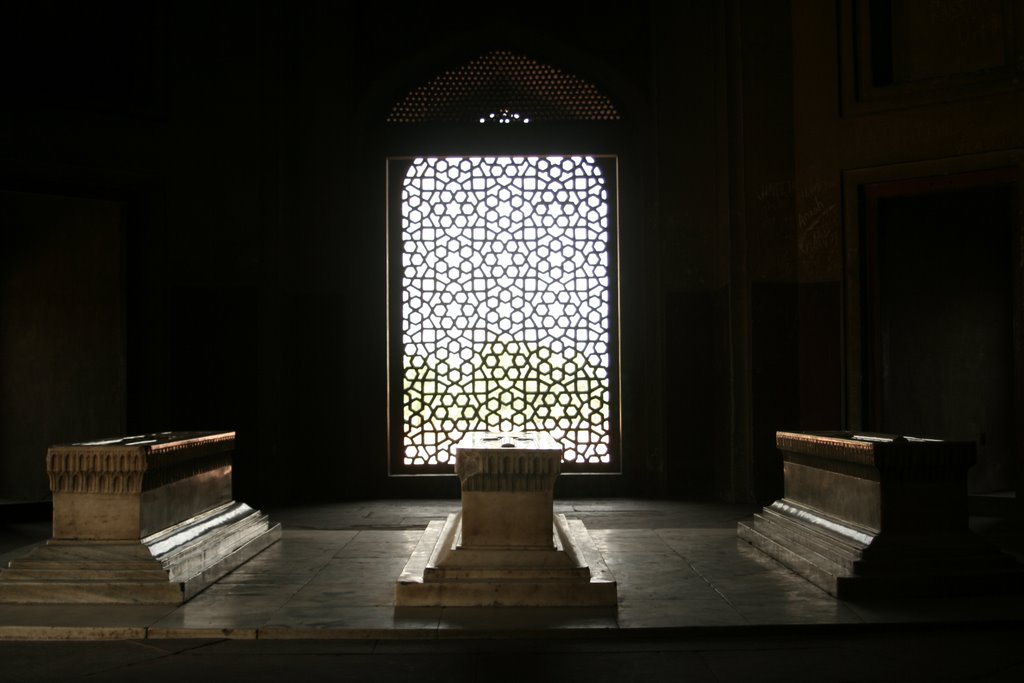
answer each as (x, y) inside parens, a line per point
(250, 141)
(350, 66)
(157, 107)
(692, 322)
(246, 144)
(817, 199)
(889, 92)
(764, 250)
(941, 324)
(726, 245)
(62, 331)
(207, 350)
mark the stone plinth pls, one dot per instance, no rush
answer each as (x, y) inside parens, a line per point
(868, 514)
(506, 547)
(144, 519)
(508, 486)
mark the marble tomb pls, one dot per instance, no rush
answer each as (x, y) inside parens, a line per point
(506, 547)
(866, 514)
(139, 520)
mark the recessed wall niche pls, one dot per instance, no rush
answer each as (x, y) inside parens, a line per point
(904, 53)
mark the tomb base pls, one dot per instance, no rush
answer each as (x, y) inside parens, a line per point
(506, 547)
(850, 563)
(139, 520)
(166, 568)
(878, 515)
(568, 573)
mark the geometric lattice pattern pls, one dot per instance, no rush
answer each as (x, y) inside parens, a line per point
(502, 80)
(505, 303)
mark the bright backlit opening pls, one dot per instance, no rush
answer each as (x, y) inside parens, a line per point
(505, 300)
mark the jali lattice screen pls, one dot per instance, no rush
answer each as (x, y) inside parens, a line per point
(506, 288)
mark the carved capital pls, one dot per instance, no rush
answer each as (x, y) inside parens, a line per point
(508, 461)
(503, 471)
(133, 464)
(95, 470)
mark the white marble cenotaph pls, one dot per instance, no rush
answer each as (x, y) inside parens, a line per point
(506, 547)
(139, 520)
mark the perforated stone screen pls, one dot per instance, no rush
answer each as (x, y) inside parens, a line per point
(506, 300)
(502, 80)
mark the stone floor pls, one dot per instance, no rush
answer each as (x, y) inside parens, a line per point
(692, 599)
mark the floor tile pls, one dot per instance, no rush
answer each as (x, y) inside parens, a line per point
(317, 621)
(27, 662)
(346, 594)
(710, 612)
(211, 613)
(677, 565)
(627, 540)
(481, 620)
(771, 612)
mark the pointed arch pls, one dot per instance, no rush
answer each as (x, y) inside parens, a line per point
(503, 80)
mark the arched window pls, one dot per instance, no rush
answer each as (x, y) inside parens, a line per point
(503, 284)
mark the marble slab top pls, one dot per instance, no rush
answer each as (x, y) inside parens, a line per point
(867, 437)
(157, 441)
(874, 449)
(526, 441)
(848, 439)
